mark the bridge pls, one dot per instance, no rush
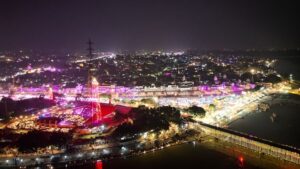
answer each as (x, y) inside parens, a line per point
(279, 151)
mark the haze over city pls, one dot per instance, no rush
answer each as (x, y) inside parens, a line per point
(148, 24)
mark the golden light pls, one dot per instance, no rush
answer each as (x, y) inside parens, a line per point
(94, 81)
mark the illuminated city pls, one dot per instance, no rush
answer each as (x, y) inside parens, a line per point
(146, 107)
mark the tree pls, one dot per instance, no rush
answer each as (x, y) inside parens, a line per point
(195, 110)
(273, 78)
(145, 119)
(32, 140)
(246, 76)
(212, 107)
(149, 101)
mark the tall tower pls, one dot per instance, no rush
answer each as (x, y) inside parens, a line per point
(93, 86)
(90, 65)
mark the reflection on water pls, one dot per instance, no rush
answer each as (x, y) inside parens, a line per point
(289, 66)
(283, 129)
(177, 157)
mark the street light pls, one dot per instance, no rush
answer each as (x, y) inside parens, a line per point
(105, 151)
(291, 78)
(252, 71)
(124, 148)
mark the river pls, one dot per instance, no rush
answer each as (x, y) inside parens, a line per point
(283, 129)
(177, 157)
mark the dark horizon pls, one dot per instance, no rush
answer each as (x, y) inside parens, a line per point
(121, 25)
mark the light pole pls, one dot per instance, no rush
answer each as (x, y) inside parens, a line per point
(252, 71)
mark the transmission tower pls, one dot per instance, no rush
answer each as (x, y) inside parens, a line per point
(93, 86)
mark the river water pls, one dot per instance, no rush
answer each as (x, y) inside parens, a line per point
(283, 129)
(178, 157)
(287, 66)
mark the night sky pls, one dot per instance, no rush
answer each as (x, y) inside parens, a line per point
(148, 24)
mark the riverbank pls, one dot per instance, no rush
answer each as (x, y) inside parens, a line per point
(282, 129)
(249, 157)
(192, 155)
